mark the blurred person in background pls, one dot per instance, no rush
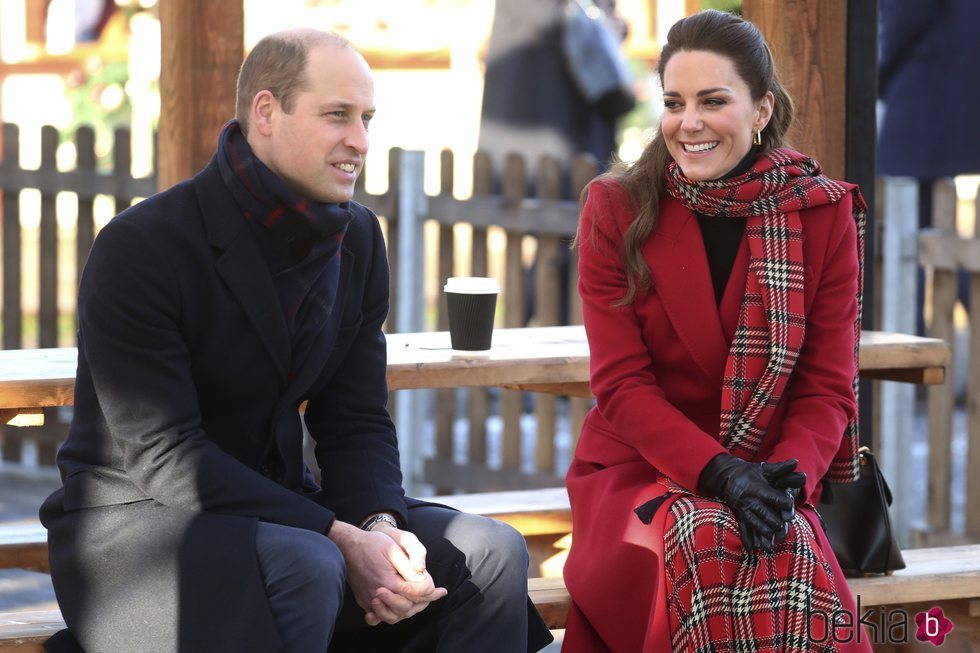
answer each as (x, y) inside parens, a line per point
(929, 86)
(532, 105)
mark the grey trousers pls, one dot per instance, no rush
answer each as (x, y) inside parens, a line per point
(483, 564)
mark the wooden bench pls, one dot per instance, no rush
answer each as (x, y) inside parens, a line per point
(24, 546)
(948, 576)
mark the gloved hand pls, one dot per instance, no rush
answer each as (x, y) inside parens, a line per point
(782, 477)
(759, 508)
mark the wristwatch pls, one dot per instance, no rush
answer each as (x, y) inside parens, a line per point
(376, 519)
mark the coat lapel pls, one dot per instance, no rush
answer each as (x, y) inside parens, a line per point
(682, 282)
(241, 266)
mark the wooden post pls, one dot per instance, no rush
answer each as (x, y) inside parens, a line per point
(941, 398)
(809, 43)
(203, 44)
(511, 402)
(479, 402)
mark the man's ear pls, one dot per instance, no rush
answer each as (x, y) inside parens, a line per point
(264, 109)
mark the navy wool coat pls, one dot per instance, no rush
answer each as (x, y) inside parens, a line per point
(930, 86)
(187, 431)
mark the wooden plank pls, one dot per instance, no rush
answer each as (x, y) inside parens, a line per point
(512, 403)
(22, 416)
(584, 169)
(933, 575)
(944, 250)
(578, 390)
(543, 511)
(479, 400)
(86, 183)
(445, 414)
(551, 599)
(547, 309)
(920, 376)
(941, 399)
(539, 356)
(24, 546)
(27, 631)
(809, 44)
(85, 229)
(198, 70)
(524, 214)
(11, 299)
(48, 241)
(477, 478)
(973, 415)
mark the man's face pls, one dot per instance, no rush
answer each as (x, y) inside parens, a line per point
(318, 148)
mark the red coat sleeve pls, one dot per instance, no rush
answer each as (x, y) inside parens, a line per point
(821, 397)
(627, 393)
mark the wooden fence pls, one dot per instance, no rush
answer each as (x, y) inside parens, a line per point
(548, 219)
(947, 257)
(488, 439)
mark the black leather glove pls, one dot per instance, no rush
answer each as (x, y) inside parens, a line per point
(759, 508)
(781, 477)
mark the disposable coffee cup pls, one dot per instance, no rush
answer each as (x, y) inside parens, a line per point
(471, 302)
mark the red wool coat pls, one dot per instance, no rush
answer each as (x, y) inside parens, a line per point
(656, 371)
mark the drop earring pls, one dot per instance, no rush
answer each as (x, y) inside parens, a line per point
(757, 139)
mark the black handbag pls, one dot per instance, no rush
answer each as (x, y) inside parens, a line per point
(855, 518)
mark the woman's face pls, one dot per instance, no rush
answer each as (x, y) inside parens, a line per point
(709, 115)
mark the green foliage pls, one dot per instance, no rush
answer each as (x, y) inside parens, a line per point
(731, 6)
(98, 99)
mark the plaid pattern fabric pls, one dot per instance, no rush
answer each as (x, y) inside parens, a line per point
(771, 323)
(722, 598)
(310, 286)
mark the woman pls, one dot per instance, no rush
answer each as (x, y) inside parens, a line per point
(702, 267)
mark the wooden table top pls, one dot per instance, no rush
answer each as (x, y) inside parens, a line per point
(545, 359)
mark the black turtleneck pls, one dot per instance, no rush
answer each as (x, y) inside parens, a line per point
(722, 236)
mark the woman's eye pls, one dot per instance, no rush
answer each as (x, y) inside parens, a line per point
(670, 105)
(714, 102)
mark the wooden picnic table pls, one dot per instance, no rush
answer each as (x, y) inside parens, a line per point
(544, 359)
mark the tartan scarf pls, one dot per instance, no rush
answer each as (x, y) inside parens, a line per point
(266, 199)
(772, 324)
(721, 597)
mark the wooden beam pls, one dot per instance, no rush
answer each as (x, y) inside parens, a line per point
(809, 42)
(203, 46)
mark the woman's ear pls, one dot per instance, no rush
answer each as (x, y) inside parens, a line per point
(764, 111)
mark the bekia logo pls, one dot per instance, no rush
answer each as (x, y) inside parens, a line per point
(880, 625)
(933, 626)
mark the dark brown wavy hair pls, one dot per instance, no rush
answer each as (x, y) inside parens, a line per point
(707, 31)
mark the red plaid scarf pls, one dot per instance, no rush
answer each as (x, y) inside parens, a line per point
(721, 597)
(771, 322)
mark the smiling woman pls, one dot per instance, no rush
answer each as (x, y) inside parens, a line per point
(701, 267)
(710, 118)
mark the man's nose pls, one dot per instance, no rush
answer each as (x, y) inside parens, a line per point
(357, 136)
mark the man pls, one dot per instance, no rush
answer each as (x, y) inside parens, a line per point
(207, 314)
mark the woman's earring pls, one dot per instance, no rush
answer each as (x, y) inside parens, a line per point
(757, 139)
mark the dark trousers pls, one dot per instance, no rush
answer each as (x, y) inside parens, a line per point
(483, 564)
